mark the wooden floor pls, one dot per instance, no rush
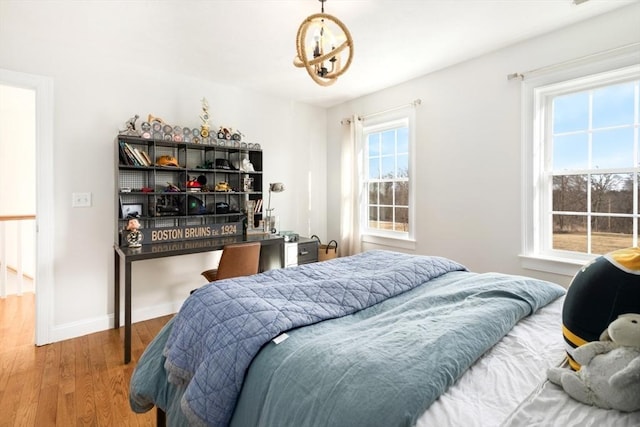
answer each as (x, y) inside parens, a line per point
(78, 382)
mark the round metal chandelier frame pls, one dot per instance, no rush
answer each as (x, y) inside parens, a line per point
(315, 66)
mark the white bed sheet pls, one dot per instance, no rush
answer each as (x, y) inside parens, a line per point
(548, 405)
(508, 386)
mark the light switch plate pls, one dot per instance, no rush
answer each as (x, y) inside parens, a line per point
(80, 200)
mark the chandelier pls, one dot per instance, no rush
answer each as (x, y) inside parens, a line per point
(324, 47)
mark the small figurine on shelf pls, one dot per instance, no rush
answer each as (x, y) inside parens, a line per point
(247, 183)
(246, 166)
(204, 117)
(134, 235)
(130, 127)
(223, 186)
(236, 135)
(197, 184)
(171, 188)
(151, 118)
(224, 133)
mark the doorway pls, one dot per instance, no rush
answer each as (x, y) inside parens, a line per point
(40, 89)
(17, 186)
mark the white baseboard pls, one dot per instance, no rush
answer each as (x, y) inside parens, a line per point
(146, 313)
(102, 323)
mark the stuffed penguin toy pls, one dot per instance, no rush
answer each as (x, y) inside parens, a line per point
(610, 372)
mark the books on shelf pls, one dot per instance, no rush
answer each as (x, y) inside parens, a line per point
(147, 159)
(140, 155)
(133, 156)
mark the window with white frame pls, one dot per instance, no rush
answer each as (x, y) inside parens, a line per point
(585, 166)
(386, 203)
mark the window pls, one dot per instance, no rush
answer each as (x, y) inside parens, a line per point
(585, 166)
(386, 204)
(593, 168)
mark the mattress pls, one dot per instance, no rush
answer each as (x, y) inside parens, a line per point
(548, 405)
(507, 387)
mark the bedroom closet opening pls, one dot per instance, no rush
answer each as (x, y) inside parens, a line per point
(17, 215)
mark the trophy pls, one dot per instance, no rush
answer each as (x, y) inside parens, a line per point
(204, 118)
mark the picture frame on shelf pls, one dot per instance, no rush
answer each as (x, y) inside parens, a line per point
(131, 210)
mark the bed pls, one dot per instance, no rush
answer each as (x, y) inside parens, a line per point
(375, 339)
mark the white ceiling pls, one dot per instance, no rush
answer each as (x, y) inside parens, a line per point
(251, 43)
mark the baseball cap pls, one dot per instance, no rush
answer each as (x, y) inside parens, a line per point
(166, 161)
(224, 164)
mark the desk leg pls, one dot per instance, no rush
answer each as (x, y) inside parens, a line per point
(161, 418)
(127, 312)
(116, 291)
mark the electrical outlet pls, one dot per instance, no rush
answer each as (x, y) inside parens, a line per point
(80, 200)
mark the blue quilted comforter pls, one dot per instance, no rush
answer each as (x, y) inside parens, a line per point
(222, 326)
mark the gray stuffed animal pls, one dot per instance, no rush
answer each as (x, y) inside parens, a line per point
(610, 372)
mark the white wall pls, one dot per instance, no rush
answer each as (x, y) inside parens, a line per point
(468, 154)
(94, 94)
(469, 150)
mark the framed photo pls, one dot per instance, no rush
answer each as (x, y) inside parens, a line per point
(131, 210)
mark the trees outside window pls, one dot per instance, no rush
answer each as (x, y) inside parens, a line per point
(588, 152)
(387, 178)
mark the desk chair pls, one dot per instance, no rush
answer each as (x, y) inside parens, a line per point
(237, 260)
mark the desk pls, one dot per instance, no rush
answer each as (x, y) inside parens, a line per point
(271, 256)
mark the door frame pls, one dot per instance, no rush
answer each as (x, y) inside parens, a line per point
(45, 225)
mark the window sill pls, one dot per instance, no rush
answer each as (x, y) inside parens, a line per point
(556, 265)
(400, 243)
